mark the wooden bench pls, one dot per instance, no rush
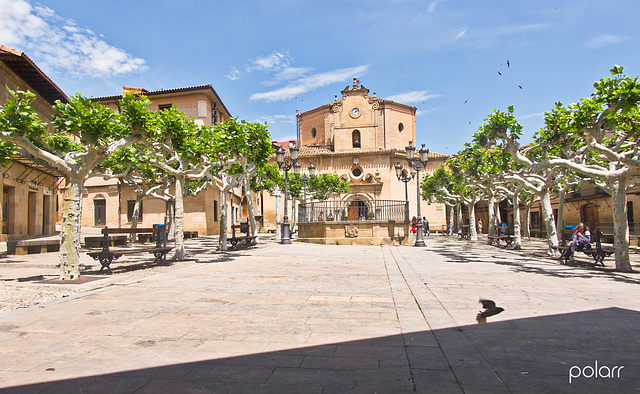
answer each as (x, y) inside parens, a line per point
(107, 255)
(244, 228)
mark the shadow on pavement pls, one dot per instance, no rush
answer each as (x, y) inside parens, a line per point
(532, 354)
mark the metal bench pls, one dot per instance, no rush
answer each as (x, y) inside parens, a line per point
(107, 254)
(598, 253)
(244, 228)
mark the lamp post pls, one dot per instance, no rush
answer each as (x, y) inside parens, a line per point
(418, 164)
(286, 165)
(405, 177)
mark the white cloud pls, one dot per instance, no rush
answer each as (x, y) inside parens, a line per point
(413, 97)
(309, 83)
(433, 4)
(604, 40)
(425, 112)
(233, 74)
(536, 115)
(277, 62)
(58, 44)
(289, 73)
(270, 63)
(462, 33)
(276, 119)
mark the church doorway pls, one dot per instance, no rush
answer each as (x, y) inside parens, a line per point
(589, 215)
(357, 210)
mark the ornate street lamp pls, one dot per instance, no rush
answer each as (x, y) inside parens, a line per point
(418, 164)
(286, 165)
(405, 177)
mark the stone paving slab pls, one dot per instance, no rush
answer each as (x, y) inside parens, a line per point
(306, 318)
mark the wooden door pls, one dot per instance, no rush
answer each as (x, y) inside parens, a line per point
(31, 214)
(590, 215)
(100, 212)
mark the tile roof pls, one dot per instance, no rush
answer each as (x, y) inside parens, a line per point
(206, 87)
(27, 70)
(310, 150)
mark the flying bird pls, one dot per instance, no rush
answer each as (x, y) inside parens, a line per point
(490, 309)
(465, 101)
(520, 86)
(499, 73)
(507, 63)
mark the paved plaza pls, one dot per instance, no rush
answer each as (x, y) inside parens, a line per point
(306, 318)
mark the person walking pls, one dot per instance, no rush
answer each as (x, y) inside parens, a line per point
(479, 226)
(414, 225)
(425, 226)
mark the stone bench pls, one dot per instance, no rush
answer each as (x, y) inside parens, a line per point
(33, 246)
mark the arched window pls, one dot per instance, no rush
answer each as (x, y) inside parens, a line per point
(355, 138)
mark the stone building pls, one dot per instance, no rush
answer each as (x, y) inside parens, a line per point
(29, 203)
(110, 203)
(361, 138)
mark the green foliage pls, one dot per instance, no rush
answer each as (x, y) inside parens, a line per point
(19, 119)
(608, 119)
(179, 134)
(324, 185)
(61, 145)
(90, 122)
(499, 125)
(268, 177)
(7, 150)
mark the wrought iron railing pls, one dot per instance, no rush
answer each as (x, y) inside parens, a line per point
(352, 210)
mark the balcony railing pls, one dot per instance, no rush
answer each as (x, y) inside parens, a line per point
(352, 210)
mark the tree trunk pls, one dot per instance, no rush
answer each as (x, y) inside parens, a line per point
(526, 226)
(70, 229)
(451, 223)
(252, 214)
(136, 213)
(517, 242)
(293, 215)
(560, 217)
(222, 239)
(547, 216)
(179, 219)
(620, 225)
(278, 226)
(169, 213)
(473, 234)
(492, 217)
(459, 217)
(2, 202)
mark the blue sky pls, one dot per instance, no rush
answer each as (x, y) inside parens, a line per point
(267, 59)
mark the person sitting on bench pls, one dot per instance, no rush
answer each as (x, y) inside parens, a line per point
(581, 241)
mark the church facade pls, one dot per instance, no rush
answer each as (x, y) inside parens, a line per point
(361, 138)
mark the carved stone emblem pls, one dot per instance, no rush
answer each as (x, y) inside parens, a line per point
(351, 231)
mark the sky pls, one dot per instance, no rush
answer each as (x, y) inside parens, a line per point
(454, 60)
